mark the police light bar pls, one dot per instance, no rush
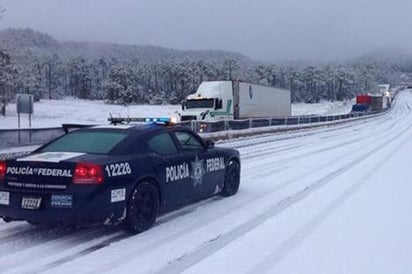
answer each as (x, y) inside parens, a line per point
(120, 120)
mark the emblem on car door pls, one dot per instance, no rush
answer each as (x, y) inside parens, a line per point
(198, 171)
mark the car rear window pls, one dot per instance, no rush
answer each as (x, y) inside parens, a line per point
(87, 141)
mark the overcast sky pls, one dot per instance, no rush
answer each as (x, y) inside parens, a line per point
(267, 30)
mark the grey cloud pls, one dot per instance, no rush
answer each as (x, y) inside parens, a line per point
(262, 29)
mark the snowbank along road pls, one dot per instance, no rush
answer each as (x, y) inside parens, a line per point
(328, 200)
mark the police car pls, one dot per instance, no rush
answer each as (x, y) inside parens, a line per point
(127, 173)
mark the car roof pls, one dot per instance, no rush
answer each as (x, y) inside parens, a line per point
(138, 128)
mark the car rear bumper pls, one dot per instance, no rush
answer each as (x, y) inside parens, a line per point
(85, 209)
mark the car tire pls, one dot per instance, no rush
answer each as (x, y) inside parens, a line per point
(142, 207)
(232, 179)
(7, 219)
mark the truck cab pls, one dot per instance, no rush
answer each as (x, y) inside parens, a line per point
(212, 100)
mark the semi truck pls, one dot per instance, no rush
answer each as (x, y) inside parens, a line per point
(216, 100)
(366, 102)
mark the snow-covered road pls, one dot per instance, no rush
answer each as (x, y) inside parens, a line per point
(328, 200)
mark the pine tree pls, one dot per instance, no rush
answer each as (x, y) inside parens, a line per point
(8, 75)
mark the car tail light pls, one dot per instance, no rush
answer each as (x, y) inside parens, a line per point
(3, 167)
(87, 173)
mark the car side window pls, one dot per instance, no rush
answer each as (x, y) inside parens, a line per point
(188, 141)
(162, 144)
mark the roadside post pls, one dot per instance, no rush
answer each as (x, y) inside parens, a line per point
(24, 104)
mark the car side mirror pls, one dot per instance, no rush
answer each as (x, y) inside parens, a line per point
(210, 144)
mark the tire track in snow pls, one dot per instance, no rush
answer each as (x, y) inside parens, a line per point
(91, 249)
(36, 237)
(268, 151)
(297, 238)
(216, 244)
(39, 230)
(15, 230)
(180, 234)
(86, 251)
(53, 264)
(33, 255)
(238, 144)
(111, 238)
(154, 245)
(263, 168)
(109, 265)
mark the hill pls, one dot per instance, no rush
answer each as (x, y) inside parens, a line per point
(19, 41)
(38, 64)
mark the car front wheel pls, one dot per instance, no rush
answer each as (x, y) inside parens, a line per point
(232, 179)
(142, 207)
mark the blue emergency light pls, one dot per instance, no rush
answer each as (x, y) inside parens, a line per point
(158, 120)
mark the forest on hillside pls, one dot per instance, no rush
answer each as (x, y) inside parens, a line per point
(35, 63)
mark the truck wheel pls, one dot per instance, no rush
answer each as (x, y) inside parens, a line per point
(232, 179)
(142, 207)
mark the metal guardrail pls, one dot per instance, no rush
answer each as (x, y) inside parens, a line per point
(33, 136)
(215, 126)
(24, 137)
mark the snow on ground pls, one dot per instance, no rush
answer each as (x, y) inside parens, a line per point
(322, 108)
(53, 113)
(329, 200)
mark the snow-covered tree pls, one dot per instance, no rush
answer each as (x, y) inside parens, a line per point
(2, 10)
(8, 74)
(80, 82)
(133, 74)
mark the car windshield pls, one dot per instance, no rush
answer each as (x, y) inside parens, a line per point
(200, 103)
(86, 141)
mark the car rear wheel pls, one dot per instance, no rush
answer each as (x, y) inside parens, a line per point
(7, 219)
(142, 207)
(232, 179)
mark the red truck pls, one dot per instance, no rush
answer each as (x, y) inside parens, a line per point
(363, 99)
(366, 102)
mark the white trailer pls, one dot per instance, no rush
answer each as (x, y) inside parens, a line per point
(215, 100)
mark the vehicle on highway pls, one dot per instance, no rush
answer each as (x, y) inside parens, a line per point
(123, 173)
(217, 100)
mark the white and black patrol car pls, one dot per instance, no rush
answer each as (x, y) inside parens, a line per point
(115, 174)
